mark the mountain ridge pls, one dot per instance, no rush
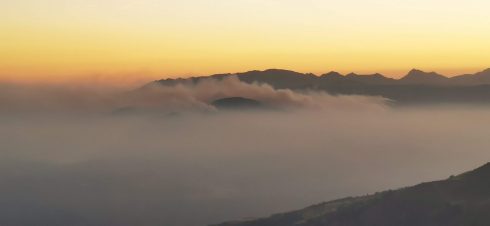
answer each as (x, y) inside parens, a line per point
(417, 87)
(412, 76)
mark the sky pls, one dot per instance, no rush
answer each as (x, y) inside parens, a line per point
(55, 40)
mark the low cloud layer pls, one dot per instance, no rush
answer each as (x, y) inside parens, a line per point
(206, 91)
(178, 98)
(197, 169)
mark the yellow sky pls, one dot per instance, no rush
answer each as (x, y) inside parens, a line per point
(50, 40)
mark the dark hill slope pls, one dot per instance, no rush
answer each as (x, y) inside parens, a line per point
(239, 103)
(463, 200)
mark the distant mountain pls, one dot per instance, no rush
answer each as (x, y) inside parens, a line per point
(417, 87)
(374, 79)
(462, 200)
(424, 78)
(473, 79)
(276, 77)
(281, 79)
(333, 75)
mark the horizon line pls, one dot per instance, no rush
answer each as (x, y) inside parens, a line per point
(321, 74)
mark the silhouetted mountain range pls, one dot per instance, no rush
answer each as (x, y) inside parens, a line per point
(462, 200)
(416, 87)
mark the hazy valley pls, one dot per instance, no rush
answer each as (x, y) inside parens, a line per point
(171, 155)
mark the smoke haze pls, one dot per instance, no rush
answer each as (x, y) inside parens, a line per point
(181, 98)
(68, 159)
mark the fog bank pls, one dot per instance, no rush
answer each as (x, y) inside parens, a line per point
(75, 168)
(186, 97)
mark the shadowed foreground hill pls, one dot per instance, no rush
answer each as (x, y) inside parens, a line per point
(236, 103)
(462, 200)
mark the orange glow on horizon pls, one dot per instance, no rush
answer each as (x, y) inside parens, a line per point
(131, 41)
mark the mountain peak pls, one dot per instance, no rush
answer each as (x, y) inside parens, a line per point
(275, 70)
(332, 74)
(271, 71)
(417, 72)
(375, 75)
(416, 76)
